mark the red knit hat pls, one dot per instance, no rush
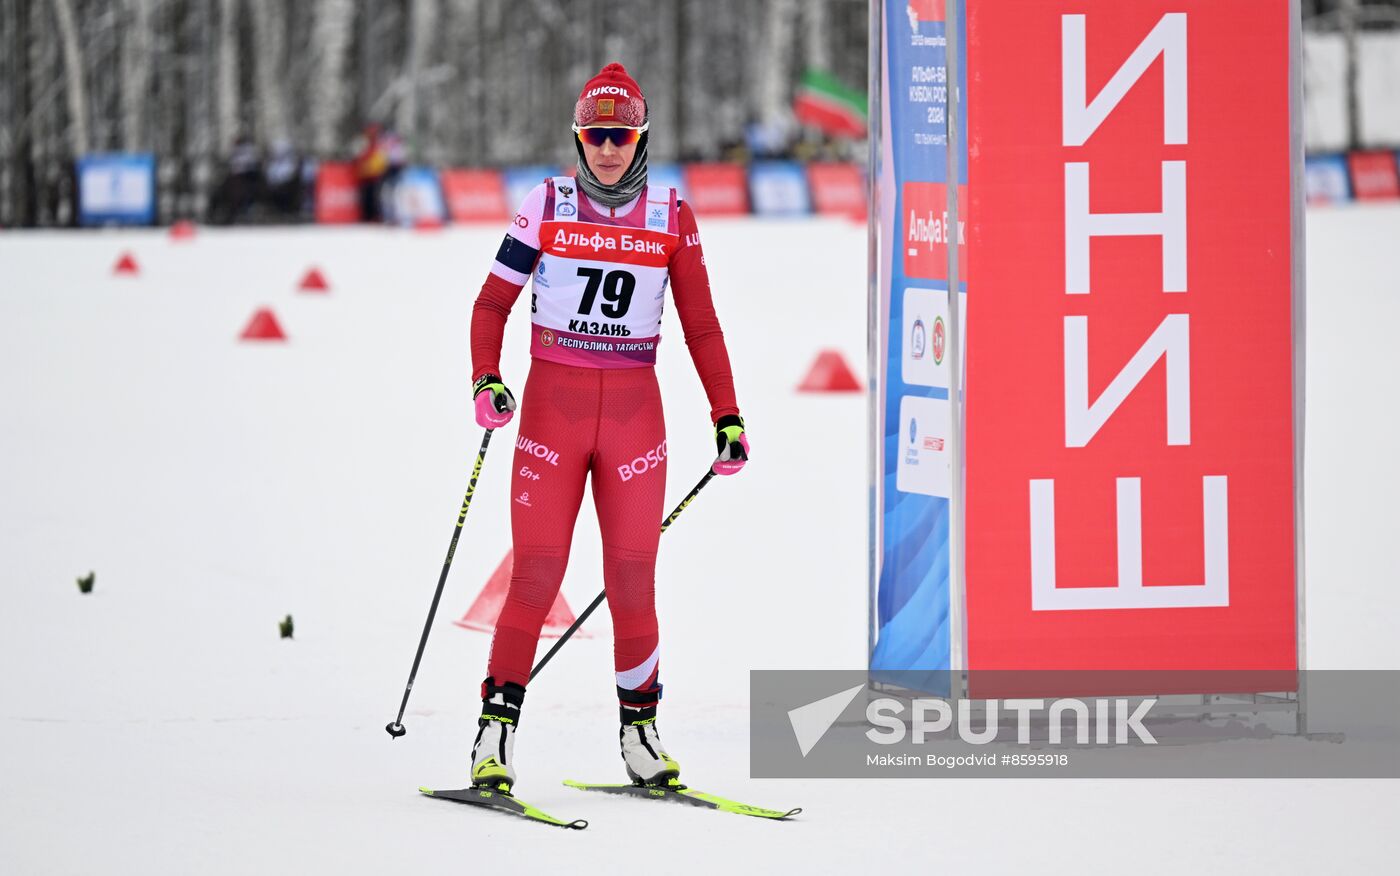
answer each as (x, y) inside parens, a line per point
(611, 97)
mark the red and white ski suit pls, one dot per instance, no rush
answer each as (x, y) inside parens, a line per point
(591, 404)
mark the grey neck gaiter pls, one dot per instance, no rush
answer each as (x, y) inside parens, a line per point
(620, 192)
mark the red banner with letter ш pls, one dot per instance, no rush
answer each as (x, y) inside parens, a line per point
(1130, 399)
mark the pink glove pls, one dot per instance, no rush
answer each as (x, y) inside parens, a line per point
(495, 406)
(732, 443)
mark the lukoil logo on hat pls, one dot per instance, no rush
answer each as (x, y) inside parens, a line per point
(611, 98)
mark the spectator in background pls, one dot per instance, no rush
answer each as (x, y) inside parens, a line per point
(309, 168)
(284, 181)
(238, 194)
(371, 165)
(395, 155)
(245, 168)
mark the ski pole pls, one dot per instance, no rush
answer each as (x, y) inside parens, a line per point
(395, 727)
(601, 596)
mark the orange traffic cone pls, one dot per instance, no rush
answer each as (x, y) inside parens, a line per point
(486, 609)
(126, 266)
(263, 327)
(314, 281)
(830, 373)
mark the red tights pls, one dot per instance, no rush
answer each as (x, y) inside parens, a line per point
(573, 422)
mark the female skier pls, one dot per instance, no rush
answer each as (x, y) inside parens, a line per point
(601, 247)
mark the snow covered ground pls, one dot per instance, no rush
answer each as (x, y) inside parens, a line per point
(160, 725)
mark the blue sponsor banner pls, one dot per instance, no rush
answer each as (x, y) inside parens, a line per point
(520, 180)
(418, 197)
(665, 174)
(779, 188)
(912, 587)
(1328, 179)
(117, 189)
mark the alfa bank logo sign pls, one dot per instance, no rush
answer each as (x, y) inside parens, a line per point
(1129, 414)
(927, 230)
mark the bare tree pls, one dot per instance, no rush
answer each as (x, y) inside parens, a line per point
(74, 86)
(227, 104)
(14, 135)
(330, 97)
(462, 48)
(816, 34)
(137, 60)
(422, 22)
(270, 68)
(774, 65)
(473, 82)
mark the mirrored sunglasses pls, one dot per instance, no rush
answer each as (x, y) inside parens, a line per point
(597, 136)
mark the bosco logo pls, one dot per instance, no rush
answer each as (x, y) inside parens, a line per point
(643, 464)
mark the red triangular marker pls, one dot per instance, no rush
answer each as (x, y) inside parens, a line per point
(486, 609)
(182, 230)
(830, 373)
(126, 265)
(314, 281)
(263, 327)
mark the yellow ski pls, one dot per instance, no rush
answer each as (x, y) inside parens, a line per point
(679, 793)
(502, 801)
